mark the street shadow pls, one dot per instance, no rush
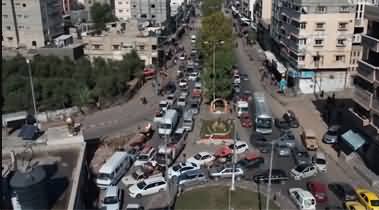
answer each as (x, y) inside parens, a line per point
(55, 188)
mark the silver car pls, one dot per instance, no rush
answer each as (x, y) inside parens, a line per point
(283, 150)
(331, 136)
(194, 107)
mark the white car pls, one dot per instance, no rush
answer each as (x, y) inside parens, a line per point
(182, 57)
(178, 169)
(158, 116)
(146, 155)
(171, 99)
(197, 85)
(202, 158)
(240, 147)
(303, 199)
(112, 198)
(225, 172)
(148, 186)
(303, 171)
(182, 101)
(163, 105)
(193, 76)
(134, 206)
(320, 161)
(183, 83)
(237, 79)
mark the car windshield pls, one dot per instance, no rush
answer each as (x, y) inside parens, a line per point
(165, 126)
(244, 109)
(162, 105)
(197, 156)
(141, 185)
(194, 105)
(332, 132)
(309, 203)
(103, 176)
(135, 175)
(264, 123)
(300, 168)
(182, 99)
(143, 157)
(176, 168)
(187, 121)
(320, 161)
(110, 200)
(374, 202)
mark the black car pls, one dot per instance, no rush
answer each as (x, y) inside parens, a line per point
(282, 124)
(250, 164)
(258, 140)
(278, 176)
(290, 117)
(300, 155)
(343, 191)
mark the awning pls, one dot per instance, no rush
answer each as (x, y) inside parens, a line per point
(355, 140)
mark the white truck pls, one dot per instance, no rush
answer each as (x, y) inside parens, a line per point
(168, 123)
(173, 149)
(241, 107)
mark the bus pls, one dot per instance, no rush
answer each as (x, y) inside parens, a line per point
(263, 117)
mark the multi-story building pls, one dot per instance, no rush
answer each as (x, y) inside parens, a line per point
(314, 37)
(32, 23)
(154, 11)
(119, 39)
(262, 13)
(365, 110)
(176, 6)
(123, 9)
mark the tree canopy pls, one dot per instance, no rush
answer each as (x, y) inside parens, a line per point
(61, 83)
(101, 14)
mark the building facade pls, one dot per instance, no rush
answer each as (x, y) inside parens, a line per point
(121, 38)
(262, 14)
(365, 110)
(176, 6)
(154, 11)
(123, 9)
(314, 37)
(32, 23)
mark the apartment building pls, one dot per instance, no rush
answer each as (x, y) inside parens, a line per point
(123, 9)
(262, 14)
(365, 111)
(176, 6)
(119, 39)
(154, 11)
(314, 38)
(32, 23)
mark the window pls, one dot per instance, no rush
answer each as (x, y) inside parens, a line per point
(301, 58)
(23, 5)
(153, 6)
(302, 41)
(142, 47)
(5, 16)
(303, 25)
(9, 28)
(20, 27)
(342, 26)
(341, 43)
(154, 47)
(319, 42)
(18, 4)
(19, 16)
(96, 46)
(340, 58)
(26, 16)
(116, 47)
(134, 6)
(143, 16)
(34, 43)
(120, 10)
(320, 26)
(152, 16)
(321, 9)
(3, 3)
(10, 38)
(344, 9)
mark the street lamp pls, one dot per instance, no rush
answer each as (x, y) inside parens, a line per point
(214, 44)
(32, 86)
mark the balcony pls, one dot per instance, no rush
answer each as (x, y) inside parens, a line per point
(357, 39)
(366, 71)
(370, 42)
(362, 97)
(360, 118)
(375, 104)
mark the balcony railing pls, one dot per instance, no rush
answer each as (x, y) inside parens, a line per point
(370, 42)
(375, 104)
(362, 97)
(366, 70)
(363, 119)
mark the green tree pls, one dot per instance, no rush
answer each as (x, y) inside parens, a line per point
(101, 14)
(210, 6)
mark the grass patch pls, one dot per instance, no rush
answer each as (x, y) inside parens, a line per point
(212, 198)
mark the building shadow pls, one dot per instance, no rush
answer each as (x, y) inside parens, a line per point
(55, 188)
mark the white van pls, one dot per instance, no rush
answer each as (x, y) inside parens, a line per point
(242, 107)
(193, 39)
(113, 169)
(303, 199)
(188, 121)
(168, 123)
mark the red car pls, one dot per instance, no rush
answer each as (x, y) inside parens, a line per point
(318, 190)
(196, 92)
(246, 121)
(148, 73)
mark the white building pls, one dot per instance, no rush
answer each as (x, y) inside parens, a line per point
(123, 9)
(175, 5)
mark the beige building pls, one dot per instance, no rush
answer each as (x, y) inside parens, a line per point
(122, 9)
(119, 39)
(365, 110)
(262, 15)
(314, 37)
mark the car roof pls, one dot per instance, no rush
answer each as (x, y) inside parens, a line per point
(304, 193)
(240, 142)
(309, 132)
(154, 179)
(111, 191)
(369, 194)
(194, 172)
(204, 153)
(318, 186)
(320, 155)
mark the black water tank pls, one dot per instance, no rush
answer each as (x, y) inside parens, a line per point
(30, 188)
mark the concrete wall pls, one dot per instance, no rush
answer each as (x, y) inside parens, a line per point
(74, 52)
(57, 114)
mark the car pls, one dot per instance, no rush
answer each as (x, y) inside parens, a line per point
(244, 77)
(278, 176)
(182, 57)
(171, 99)
(198, 84)
(184, 93)
(301, 155)
(158, 116)
(303, 171)
(236, 88)
(163, 105)
(240, 147)
(331, 136)
(194, 107)
(370, 200)
(147, 154)
(287, 138)
(318, 190)
(182, 101)
(290, 117)
(283, 150)
(148, 186)
(281, 124)
(183, 83)
(259, 140)
(134, 206)
(202, 158)
(252, 163)
(320, 162)
(193, 75)
(246, 121)
(180, 168)
(343, 191)
(236, 79)
(196, 92)
(310, 141)
(225, 172)
(191, 177)
(137, 176)
(112, 198)
(354, 205)
(303, 199)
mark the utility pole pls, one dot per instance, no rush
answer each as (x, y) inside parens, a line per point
(32, 86)
(214, 70)
(232, 188)
(166, 172)
(269, 176)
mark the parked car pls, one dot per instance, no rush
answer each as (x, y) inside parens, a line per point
(193, 75)
(368, 199)
(148, 186)
(134, 206)
(163, 105)
(290, 117)
(283, 150)
(259, 140)
(202, 158)
(158, 116)
(309, 139)
(147, 154)
(344, 191)
(319, 160)
(301, 155)
(240, 147)
(194, 107)
(252, 163)
(225, 172)
(236, 79)
(354, 205)
(318, 190)
(303, 199)
(303, 171)
(236, 88)
(183, 83)
(191, 177)
(331, 136)
(182, 101)
(246, 121)
(178, 169)
(287, 138)
(133, 178)
(112, 198)
(171, 99)
(278, 176)
(281, 124)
